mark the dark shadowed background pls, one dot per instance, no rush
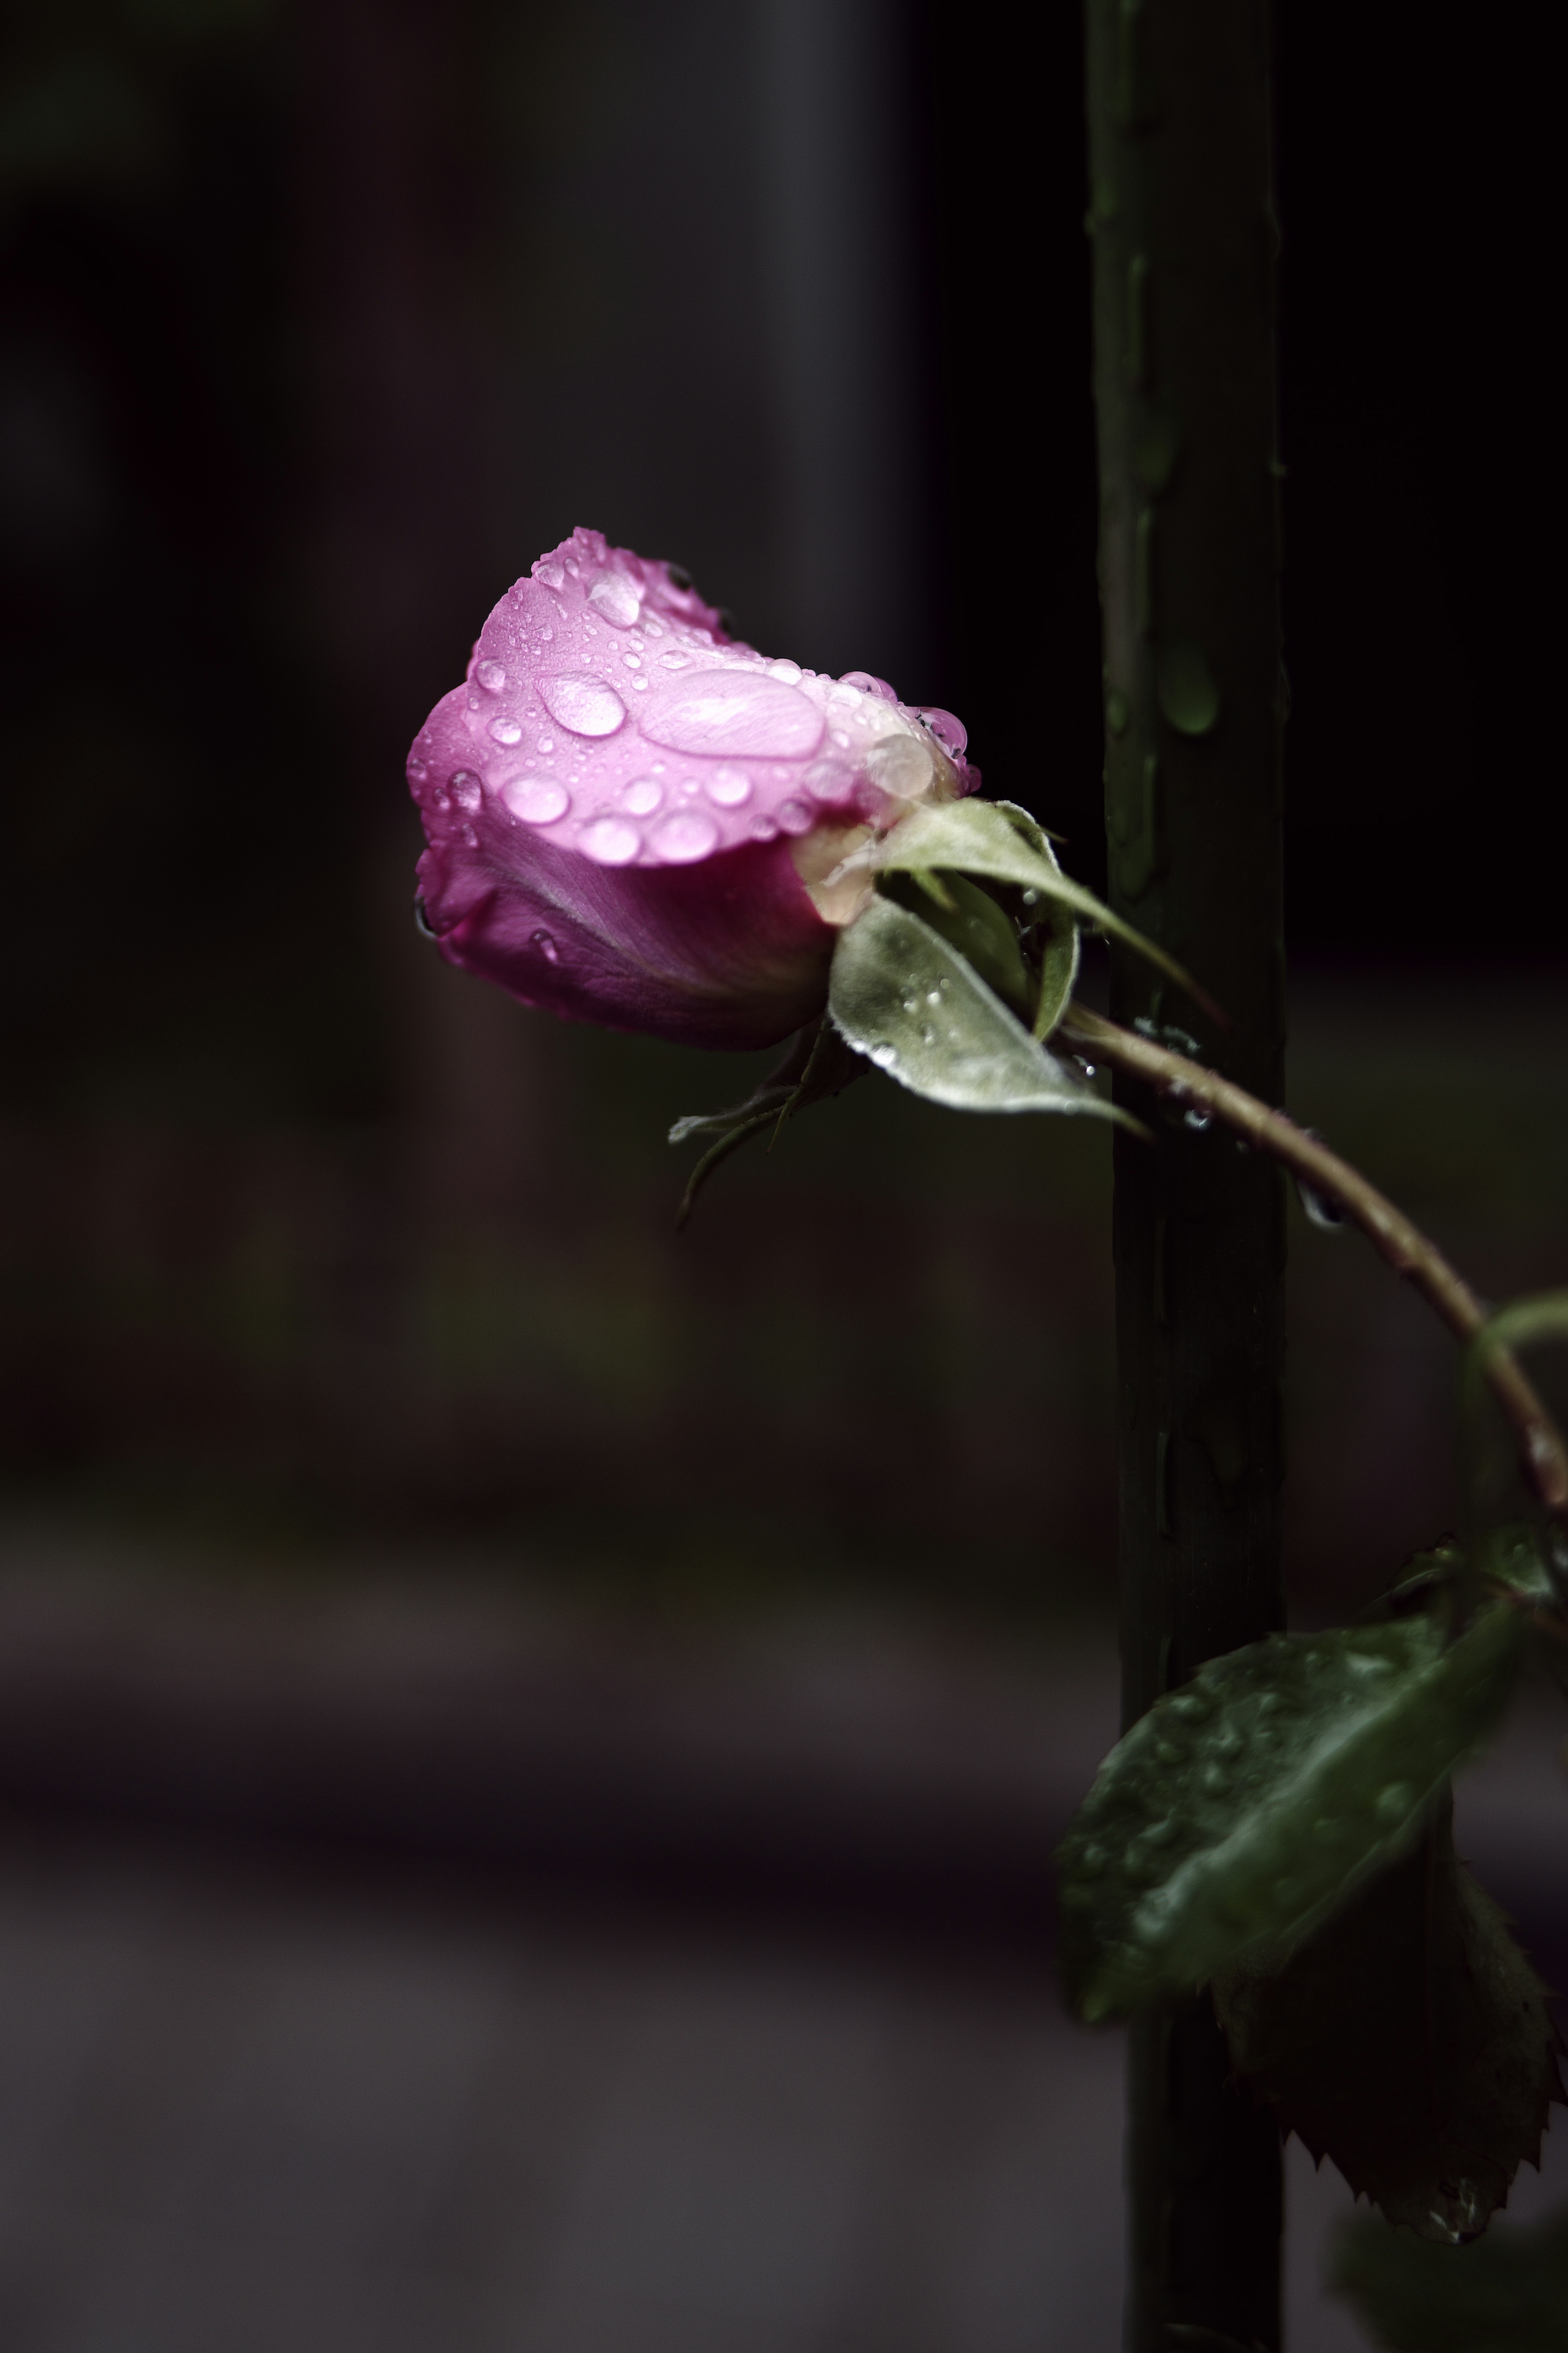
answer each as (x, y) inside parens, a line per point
(399, 1519)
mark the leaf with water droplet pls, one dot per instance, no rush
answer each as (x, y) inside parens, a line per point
(1334, 1745)
(1509, 2293)
(1408, 2040)
(968, 1051)
(977, 837)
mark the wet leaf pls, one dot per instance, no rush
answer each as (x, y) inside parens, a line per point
(1243, 1808)
(975, 836)
(1409, 2041)
(905, 998)
(1509, 2293)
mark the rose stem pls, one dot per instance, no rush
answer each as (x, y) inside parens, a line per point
(1407, 1250)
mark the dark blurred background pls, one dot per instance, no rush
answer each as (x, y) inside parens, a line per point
(342, 1295)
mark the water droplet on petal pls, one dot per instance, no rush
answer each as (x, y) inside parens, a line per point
(787, 670)
(794, 817)
(902, 766)
(732, 711)
(614, 600)
(762, 828)
(583, 703)
(727, 787)
(632, 661)
(949, 732)
(609, 841)
(830, 780)
(490, 676)
(686, 837)
(550, 572)
(506, 730)
(546, 947)
(467, 790)
(536, 800)
(642, 796)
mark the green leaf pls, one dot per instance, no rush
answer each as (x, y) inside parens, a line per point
(905, 998)
(975, 836)
(1409, 2040)
(1507, 2294)
(1242, 1809)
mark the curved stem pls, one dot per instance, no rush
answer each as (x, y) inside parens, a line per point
(1390, 1231)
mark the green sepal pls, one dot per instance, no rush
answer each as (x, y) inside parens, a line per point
(1409, 2041)
(972, 922)
(1244, 1808)
(984, 838)
(1062, 951)
(906, 999)
(816, 1065)
(1509, 2293)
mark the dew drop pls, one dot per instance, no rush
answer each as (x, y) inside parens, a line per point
(949, 732)
(546, 744)
(550, 573)
(468, 837)
(674, 661)
(794, 817)
(830, 780)
(614, 600)
(506, 730)
(583, 703)
(642, 796)
(686, 837)
(632, 661)
(787, 670)
(902, 766)
(467, 790)
(546, 947)
(762, 828)
(1394, 1801)
(1091, 1862)
(727, 787)
(610, 842)
(732, 712)
(491, 675)
(1188, 696)
(536, 800)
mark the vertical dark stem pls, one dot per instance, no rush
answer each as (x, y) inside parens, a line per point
(1185, 244)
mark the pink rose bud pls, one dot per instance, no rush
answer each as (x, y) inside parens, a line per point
(635, 819)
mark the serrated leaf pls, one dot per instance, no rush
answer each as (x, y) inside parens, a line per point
(904, 998)
(1243, 1808)
(1409, 2041)
(977, 837)
(1509, 2293)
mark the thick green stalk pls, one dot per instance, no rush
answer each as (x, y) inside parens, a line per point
(1184, 245)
